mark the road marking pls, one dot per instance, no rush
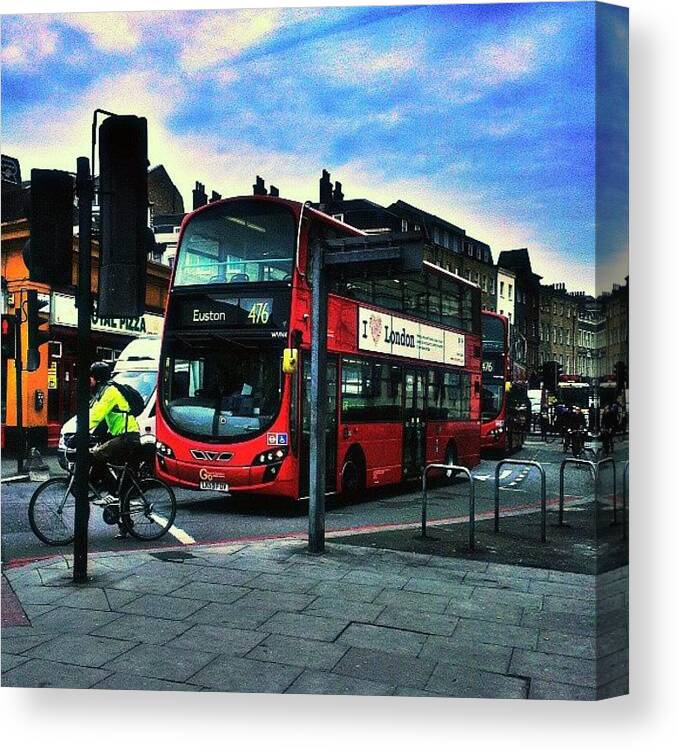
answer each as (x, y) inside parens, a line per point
(16, 478)
(179, 534)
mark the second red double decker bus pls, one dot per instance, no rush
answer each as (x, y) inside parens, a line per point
(503, 405)
(404, 359)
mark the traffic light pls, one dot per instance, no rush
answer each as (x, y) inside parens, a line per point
(620, 375)
(8, 337)
(48, 253)
(123, 197)
(36, 336)
(551, 372)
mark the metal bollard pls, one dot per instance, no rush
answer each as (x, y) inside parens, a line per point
(576, 462)
(603, 462)
(471, 504)
(531, 464)
(625, 481)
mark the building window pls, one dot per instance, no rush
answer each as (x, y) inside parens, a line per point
(501, 288)
(510, 291)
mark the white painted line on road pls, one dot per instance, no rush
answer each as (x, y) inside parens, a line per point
(179, 534)
(506, 473)
(15, 478)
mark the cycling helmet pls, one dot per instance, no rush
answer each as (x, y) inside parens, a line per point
(100, 371)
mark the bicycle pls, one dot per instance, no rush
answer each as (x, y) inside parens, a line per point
(144, 506)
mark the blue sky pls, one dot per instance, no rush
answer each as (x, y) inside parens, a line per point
(483, 114)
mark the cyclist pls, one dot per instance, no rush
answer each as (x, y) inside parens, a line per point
(124, 444)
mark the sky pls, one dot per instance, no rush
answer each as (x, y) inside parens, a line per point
(484, 115)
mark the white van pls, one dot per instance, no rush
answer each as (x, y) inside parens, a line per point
(137, 366)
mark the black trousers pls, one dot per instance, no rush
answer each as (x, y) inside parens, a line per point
(118, 450)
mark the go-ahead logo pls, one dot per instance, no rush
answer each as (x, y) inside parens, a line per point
(208, 476)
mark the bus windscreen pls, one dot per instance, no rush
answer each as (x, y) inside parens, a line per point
(210, 391)
(237, 242)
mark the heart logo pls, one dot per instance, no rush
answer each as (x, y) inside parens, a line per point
(375, 328)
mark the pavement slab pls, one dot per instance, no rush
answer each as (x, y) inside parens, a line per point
(236, 675)
(382, 638)
(311, 682)
(345, 609)
(166, 607)
(233, 615)
(457, 681)
(127, 681)
(379, 666)
(302, 625)
(140, 629)
(297, 652)
(554, 667)
(494, 632)
(164, 662)
(490, 657)
(48, 674)
(81, 650)
(430, 623)
(210, 592)
(218, 640)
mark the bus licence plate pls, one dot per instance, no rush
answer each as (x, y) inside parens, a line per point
(214, 486)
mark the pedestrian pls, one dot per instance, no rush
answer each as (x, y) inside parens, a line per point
(608, 424)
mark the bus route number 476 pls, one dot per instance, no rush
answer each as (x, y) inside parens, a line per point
(259, 313)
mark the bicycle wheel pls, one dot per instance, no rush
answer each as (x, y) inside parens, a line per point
(549, 435)
(51, 512)
(148, 508)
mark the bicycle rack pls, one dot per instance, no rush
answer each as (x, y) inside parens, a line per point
(600, 463)
(518, 462)
(471, 503)
(595, 468)
(561, 499)
(625, 490)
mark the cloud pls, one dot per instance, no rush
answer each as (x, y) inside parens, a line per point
(219, 37)
(111, 32)
(28, 41)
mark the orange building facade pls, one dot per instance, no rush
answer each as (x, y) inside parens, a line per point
(49, 393)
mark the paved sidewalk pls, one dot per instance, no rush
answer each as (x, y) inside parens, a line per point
(269, 617)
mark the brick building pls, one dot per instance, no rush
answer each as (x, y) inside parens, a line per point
(527, 295)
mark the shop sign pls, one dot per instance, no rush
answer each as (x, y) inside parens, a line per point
(65, 313)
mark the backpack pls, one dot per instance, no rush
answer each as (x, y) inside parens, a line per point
(132, 396)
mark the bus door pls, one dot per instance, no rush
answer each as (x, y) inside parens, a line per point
(331, 429)
(414, 428)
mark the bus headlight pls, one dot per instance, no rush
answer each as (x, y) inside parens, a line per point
(164, 450)
(270, 457)
(271, 460)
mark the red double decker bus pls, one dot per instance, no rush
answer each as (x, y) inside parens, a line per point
(504, 407)
(403, 372)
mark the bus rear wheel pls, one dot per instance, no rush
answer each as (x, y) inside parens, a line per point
(352, 477)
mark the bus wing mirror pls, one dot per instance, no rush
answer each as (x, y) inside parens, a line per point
(290, 361)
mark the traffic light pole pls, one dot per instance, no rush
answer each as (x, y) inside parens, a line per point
(317, 453)
(18, 368)
(85, 192)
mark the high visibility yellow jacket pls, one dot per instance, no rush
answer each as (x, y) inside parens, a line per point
(112, 406)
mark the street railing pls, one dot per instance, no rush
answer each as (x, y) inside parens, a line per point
(532, 465)
(471, 502)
